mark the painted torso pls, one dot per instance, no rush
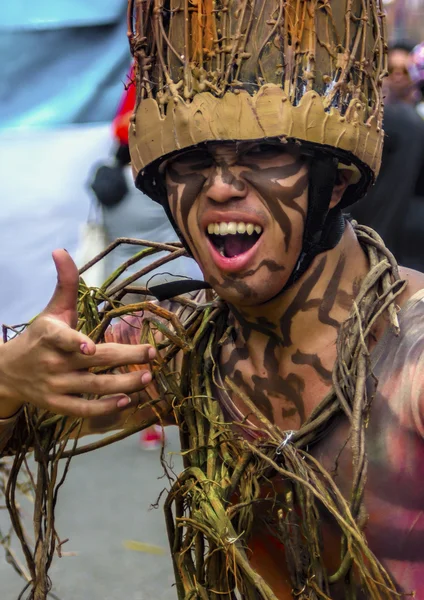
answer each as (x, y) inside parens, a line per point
(289, 389)
(394, 496)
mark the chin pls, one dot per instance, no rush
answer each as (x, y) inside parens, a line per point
(247, 292)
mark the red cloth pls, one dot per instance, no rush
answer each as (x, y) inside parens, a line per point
(125, 109)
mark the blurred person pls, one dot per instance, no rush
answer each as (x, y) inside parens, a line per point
(127, 212)
(398, 86)
(395, 204)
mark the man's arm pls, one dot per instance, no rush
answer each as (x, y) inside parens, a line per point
(47, 365)
(140, 408)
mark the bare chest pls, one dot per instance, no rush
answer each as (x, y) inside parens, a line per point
(284, 386)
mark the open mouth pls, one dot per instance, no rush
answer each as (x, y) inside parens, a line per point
(233, 239)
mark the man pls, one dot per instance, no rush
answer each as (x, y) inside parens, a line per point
(399, 86)
(394, 206)
(301, 472)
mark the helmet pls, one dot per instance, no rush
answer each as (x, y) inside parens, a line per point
(214, 70)
(121, 121)
(307, 72)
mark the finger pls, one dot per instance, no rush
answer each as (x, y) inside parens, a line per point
(67, 339)
(102, 385)
(117, 355)
(70, 406)
(63, 302)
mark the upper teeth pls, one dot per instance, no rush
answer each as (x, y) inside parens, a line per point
(233, 228)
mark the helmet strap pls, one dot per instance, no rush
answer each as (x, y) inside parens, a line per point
(324, 227)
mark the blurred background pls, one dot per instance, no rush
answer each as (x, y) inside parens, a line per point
(64, 108)
(405, 19)
(64, 81)
(65, 100)
(395, 205)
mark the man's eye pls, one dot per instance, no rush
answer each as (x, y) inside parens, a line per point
(264, 151)
(195, 160)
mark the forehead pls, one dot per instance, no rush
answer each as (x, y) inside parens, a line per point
(398, 58)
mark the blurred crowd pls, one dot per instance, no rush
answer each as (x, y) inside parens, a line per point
(395, 205)
(65, 102)
(64, 77)
(124, 211)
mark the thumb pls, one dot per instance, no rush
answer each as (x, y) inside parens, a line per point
(63, 303)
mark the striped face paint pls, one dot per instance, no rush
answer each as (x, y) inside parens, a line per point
(241, 208)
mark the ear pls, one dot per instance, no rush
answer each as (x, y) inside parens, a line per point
(342, 181)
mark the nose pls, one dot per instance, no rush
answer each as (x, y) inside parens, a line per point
(223, 185)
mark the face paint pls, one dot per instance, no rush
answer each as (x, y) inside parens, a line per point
(236, 185)
(331, 295)
(281, 395)
(299, 302)
(182, 188)
(228, 177)
(279, 195)
(314, 361)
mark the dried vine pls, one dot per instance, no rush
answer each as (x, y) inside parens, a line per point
(185, 47)
(211, 505)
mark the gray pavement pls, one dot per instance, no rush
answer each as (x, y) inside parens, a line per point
(106, 500)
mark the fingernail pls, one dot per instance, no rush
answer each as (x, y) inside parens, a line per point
(123, 402)
(65, 250)
(84, 348)
(146, 378)
(152, 353)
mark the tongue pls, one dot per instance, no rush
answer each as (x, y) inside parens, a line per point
(237, 244)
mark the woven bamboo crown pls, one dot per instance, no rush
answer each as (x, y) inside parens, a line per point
(218, 70)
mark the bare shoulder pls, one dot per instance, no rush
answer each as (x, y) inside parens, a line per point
(415, 283)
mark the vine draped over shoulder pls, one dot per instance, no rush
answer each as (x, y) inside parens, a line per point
(210, 507)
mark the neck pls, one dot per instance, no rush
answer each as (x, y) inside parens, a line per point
(310, 310)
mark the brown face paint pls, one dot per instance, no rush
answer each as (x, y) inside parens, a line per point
(272, 193)
(228, 176)
(291, 387)
(261, 399)
(259, 388)
(299, 301)
(344, 299)
(271, 265)
(277, 195)
(312, 360)
(283, 396)
(238, 354)
(193, 183)
(330, 295)
(261, 326)
(194, 174)
(233, 284)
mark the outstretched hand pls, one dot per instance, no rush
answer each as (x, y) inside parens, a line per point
(47, 365)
